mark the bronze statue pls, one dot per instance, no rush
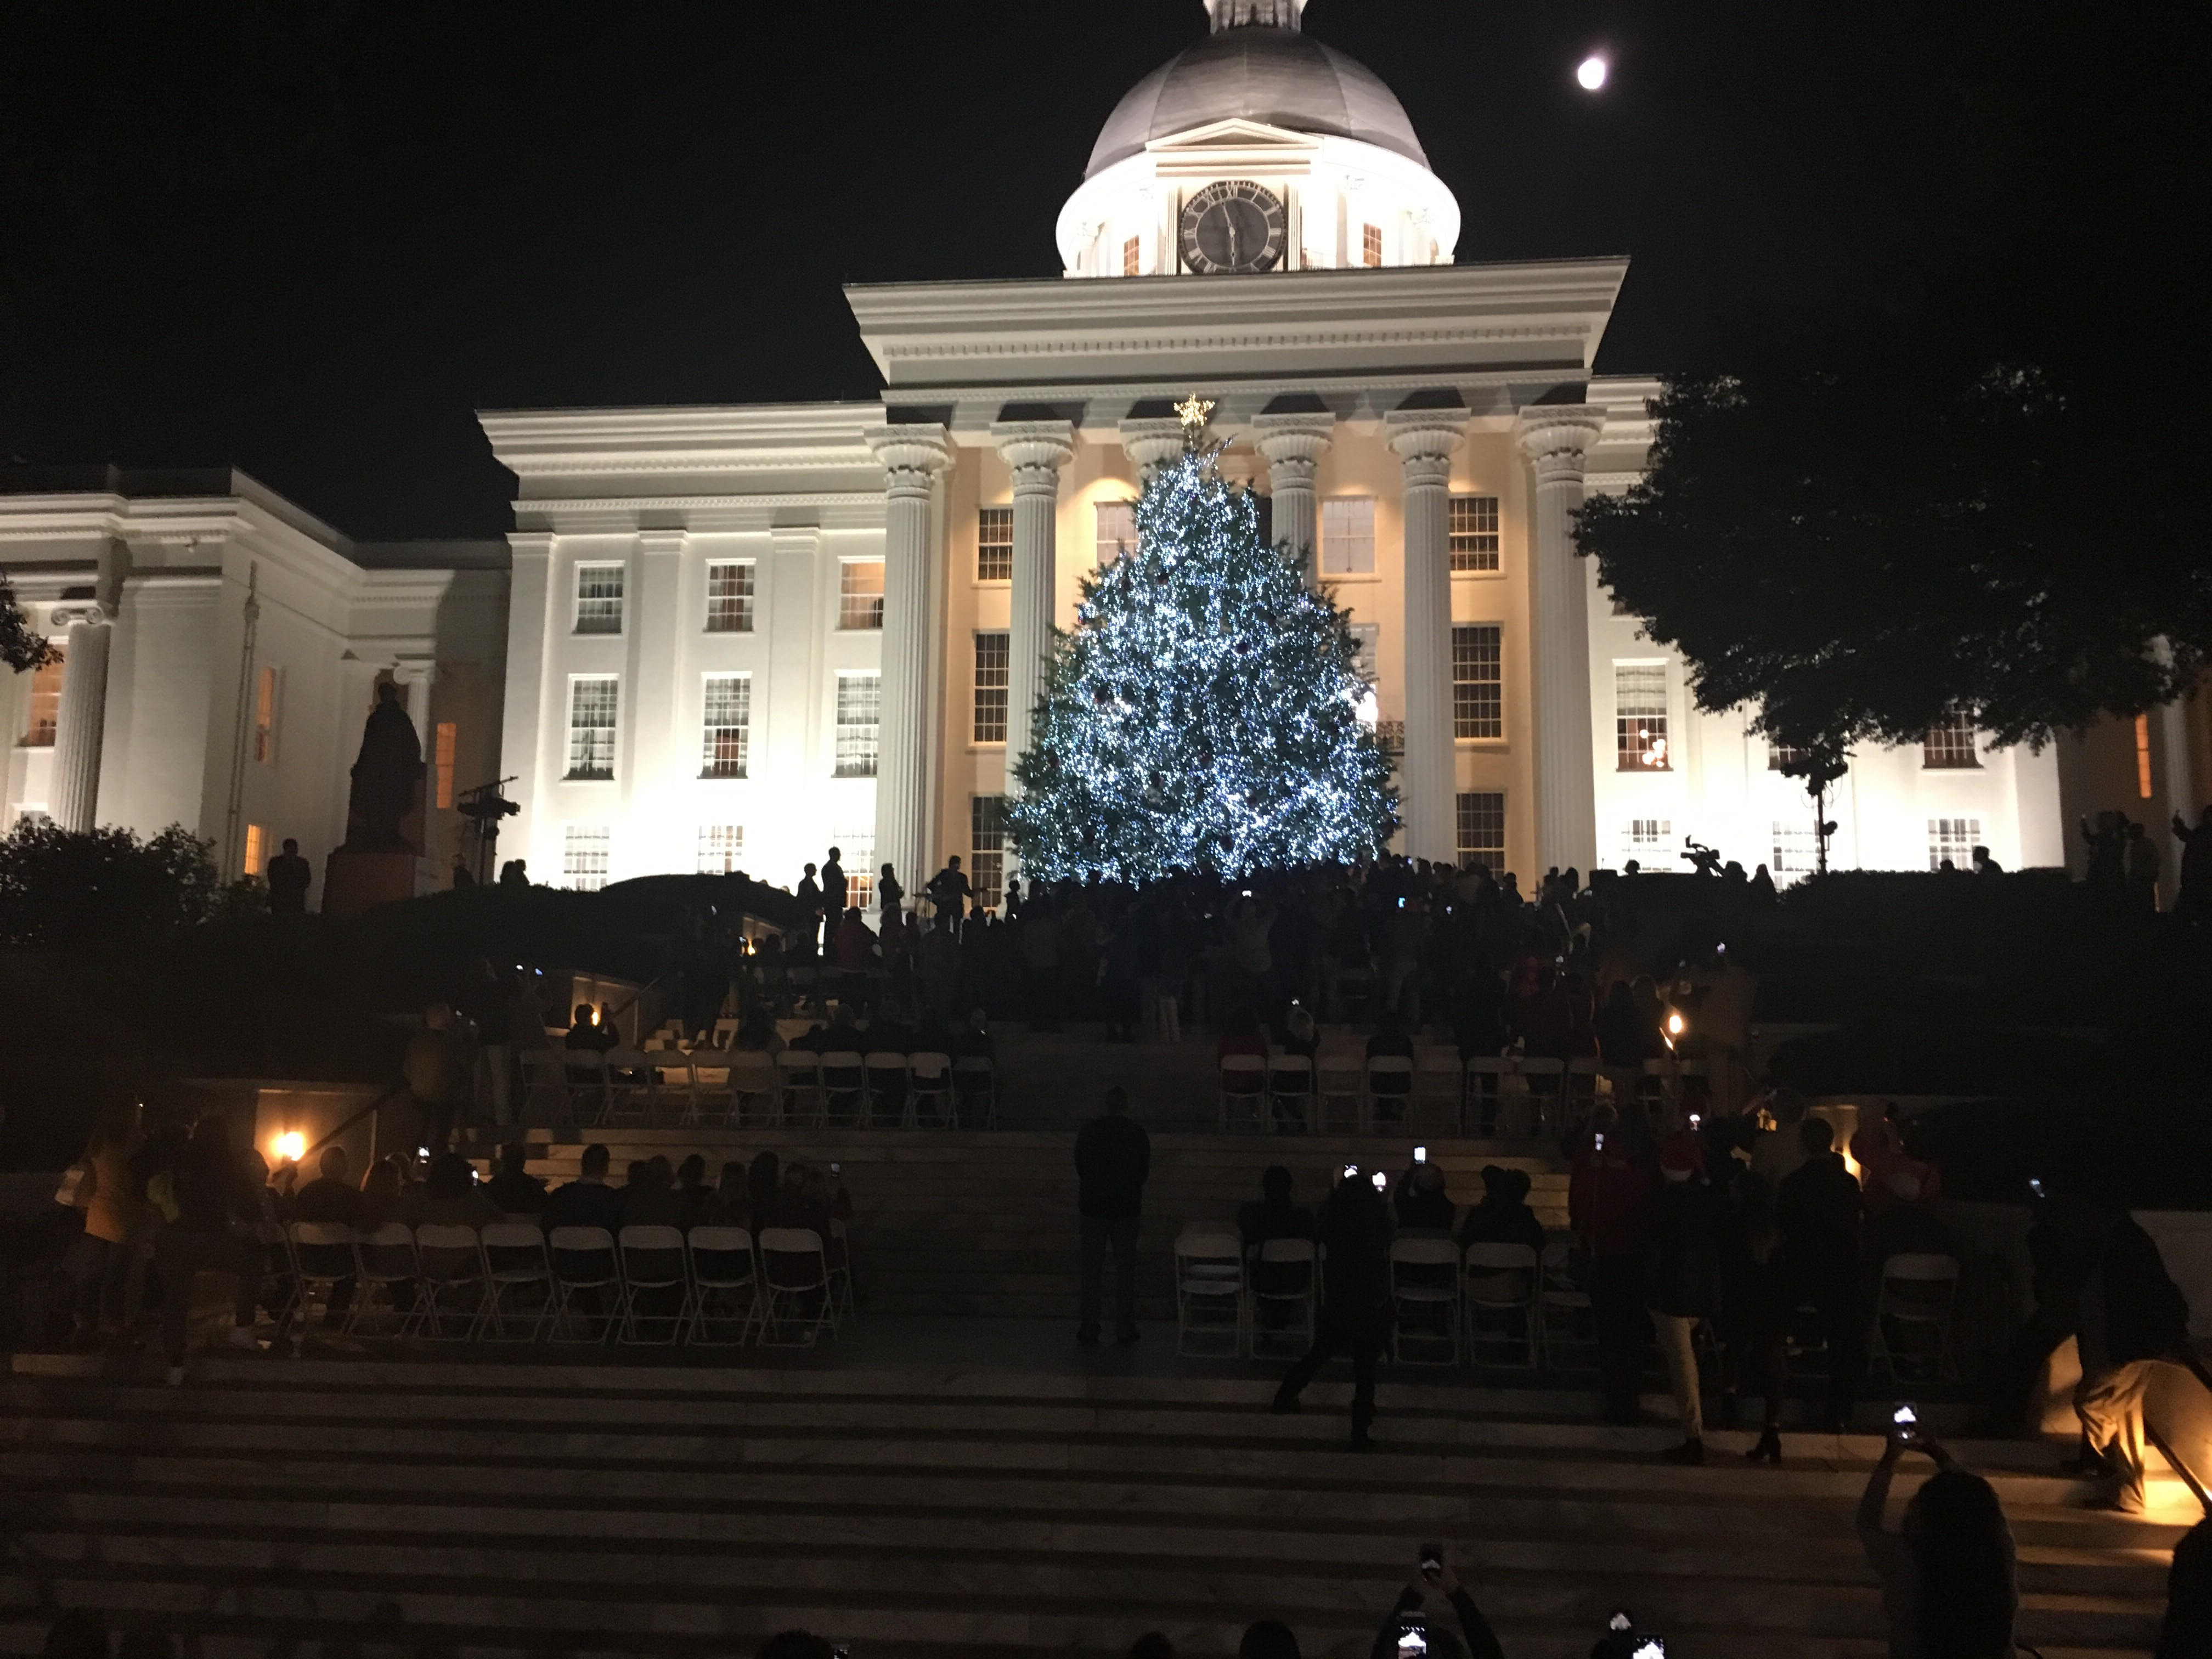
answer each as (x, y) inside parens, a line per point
(385, 777)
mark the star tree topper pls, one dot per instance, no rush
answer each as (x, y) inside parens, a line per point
(1193, 412)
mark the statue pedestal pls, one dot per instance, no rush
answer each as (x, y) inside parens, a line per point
(355, 881)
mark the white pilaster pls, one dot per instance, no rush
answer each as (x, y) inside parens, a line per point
(1293, 445)
(75, 796)
(913, 456)
(655, 711)
(1428, 772)
(1557, 439)
(1035, 450)
(525, 710)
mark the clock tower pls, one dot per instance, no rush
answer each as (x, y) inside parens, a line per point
(1260, 149)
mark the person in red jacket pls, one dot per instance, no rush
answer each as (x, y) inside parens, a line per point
(1609, 1189)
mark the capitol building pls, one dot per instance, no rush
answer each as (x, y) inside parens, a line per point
(726, 637)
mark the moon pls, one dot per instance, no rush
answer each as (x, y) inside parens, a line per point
(1591, 72)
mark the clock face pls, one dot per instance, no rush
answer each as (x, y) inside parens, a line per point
(1233, 226)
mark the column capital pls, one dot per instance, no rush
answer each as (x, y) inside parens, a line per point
(1035, 450)
(1294, 442)
(88, 611)
(1557, 439)
(1152, 443)
(912, 457)
(1424, 439)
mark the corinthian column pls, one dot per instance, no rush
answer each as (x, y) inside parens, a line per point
(1428, 775)
(1035, 450)
(75, 797)
(1557, 440)
(912, 456)
(1294, 444)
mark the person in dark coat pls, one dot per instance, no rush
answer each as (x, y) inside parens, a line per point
(1113, 1156)
(1355, 1315)
(1818, 1211)
(2133, 1319)
(1609, 1186)
(1684, 1284)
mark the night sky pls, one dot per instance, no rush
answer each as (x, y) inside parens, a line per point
(310, 239)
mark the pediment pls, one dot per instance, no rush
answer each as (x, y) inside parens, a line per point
(1234, 133)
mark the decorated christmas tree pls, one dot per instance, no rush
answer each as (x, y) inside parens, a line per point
(1205, 714)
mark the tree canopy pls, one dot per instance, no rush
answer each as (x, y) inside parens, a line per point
(21, 647)
(106, 888)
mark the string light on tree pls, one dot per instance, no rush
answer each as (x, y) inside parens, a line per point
(1204, 712)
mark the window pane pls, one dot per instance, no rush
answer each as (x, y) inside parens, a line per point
(1796, 850)
(859, 716)
(265, 715)
(1639, 699)
(1646, 839)
(256, 848)
(448, 744)
(993, 657)
(1951, 745)
(858, 845)
(1370, 245)
(987, 849)
(995, 544)
(727, 724)
(1478, 685)
(721, 849)
(1117, 530)
(584, 849)
(1474, 532)
(1779, 755)
(45, 703)
(591, 702)
(1132, 254)
(1482, 829)
(599, 599)
(861, 593)
(1953, 841)
(729, 598)
(1347, 537)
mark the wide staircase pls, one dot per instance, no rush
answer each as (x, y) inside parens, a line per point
(985, 1223)
(370, 1507)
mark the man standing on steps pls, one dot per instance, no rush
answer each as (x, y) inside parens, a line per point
(1355, 1314)
(1113, 1156)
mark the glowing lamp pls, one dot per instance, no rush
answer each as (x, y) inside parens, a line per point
(1675, 1024)
(291, 1146)
(1590, 73)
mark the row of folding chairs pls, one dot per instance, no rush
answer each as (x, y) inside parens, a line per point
(509, 1281)
(1434, 1095)
(717, 1088)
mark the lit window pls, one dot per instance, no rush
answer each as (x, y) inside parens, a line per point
(256, 848)
(1952, 841)
(46, 711)
(987, 849)
(448, 740)
(730, 597)
(860, 724)
(1133, 256)
(1796, 850)
(861, 593)
(994, 659)
(1950, 744)
(1646, 839)
(599, 599)
(264, 716)
(1370, 245)
(1478, 682)
(592, 702)
(721, 846)
(1117, 530)
(2142, 756)
(1474, 532)
(1639, 709)
(728, 726)
(584, 849)
(859, 847)
(995, 544)
(1482, 829)
(1347, 537)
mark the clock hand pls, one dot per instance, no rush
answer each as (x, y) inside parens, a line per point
(1236, 242)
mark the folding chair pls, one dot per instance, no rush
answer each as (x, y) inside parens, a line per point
(1546, 1081)
(929, 1091)
(1287, 1275)
(1209, 1269)
(722, 1267)
(884, 1077)
(515, 1260)
(795, 1266)
(1340, 1088)
(589, 1095)
(653, 1263)
(798, 1087)
(725, 1033)
(1390, 1088)
(974, 1077)
(545, 1097)
(1918, 1290)
(384, 1260)
(322, 1258)
(1578, 1092)
(1503, 1278)
(1434, 1106)
(1425, 1275)
(1562, 1293)
(1243, 1089)
(675, 1076)
(1290, 1092)
(1486, 1095)
(844, 1090)
(584, 1261)
(752, 1080)
(631, 1091)
(452, 1264)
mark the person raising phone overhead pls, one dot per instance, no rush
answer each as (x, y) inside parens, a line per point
(1417, 1615)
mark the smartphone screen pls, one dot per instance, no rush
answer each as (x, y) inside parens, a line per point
(1651, 1648)
(1413, 1642)
(1601, 1140)
(1350, 1170)
(1381, 1181)
(1420, 1155)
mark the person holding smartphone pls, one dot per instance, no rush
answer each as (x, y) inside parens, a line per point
(1949, 1586)
(1410, 1632)
(1355, 1315)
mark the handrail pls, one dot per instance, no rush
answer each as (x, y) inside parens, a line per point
(376, 1105)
